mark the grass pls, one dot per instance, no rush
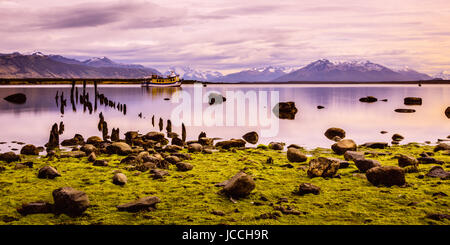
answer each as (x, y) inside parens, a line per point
(191, 197)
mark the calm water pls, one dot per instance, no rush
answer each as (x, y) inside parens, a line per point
(31, 122)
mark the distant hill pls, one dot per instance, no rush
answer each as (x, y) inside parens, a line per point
(38, 65)
(366, 71)
(262, 74)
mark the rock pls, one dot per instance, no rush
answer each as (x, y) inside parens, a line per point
(342, 163)
(413, 101)
(70, 201)
(404, 160)
(429, 160)
(395, 142)
(320, 107)
(251, 137)
(156, 136)
(344, 145)
(53, 140)
(405, 110)
(75, 154)
(215, 98)
(307, 188)
(231, 143)
(182, 166)
(240, 185)
(48, 172)
(441, 147)
(172, 159)
(9, 157)
(285, 110)
(447, 112)
(129, 160)
(119, 179)
(92, 157)
(383, 132)
(38, 207)
(145, 166)
(29, 150)
(76, 140)
(183, 156)
(386, 175)
(18, 98)
(195, 147)
(205, 141)
(158, 174)
(368, 99)
(145, 203)
(278, 146)
(397, 137)
(295, 146)
(438, 217)
(172, 135)
(365, 164)
(173, 148)
(375, 145)
(295, 155)
(88, 149)
(438, 172)
(333, 132)
(323, 167)
(353, 155)
(94, 140)
(100, 163)
(130, 135)
(119, 148)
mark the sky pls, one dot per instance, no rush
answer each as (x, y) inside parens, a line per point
(231, 35)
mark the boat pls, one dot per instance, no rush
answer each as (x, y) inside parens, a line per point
(171, 80)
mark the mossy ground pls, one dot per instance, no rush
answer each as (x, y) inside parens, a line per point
(190, 197)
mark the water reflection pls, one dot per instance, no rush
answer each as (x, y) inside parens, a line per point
(31, 122)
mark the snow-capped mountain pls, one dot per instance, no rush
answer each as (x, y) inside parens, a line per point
(443, 75)
(188, 73)
(105, 62)
(261, 74)
(359, 71)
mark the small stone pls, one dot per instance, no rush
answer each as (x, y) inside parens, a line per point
(119, 179)
(307, 188)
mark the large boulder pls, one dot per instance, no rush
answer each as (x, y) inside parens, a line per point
(386, 175)
(438, 172)
(295, 155)
(48, 172)
(285, 110)
(353, 155)
(344, 145)
(307, 188)
(119, 148)
(404, 161)
(18, 98)
(323, 167)
(9, 157)
(251, 137)
(145, 203)
(29, 150)
(227, 144)
(239, 185)
(333, 132)
(119, 179)
(365, 164)
(70, 201)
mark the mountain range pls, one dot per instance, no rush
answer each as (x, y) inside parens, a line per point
(39, 65)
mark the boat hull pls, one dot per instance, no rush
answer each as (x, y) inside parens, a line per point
(151, 84)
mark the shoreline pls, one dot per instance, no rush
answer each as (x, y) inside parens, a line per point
(55, 81)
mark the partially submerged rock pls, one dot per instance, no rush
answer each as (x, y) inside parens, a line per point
(331, 133)
(386, 175)
(144, 203)
(413, 101)
(227, 144)
(401, 110)
(285, 110)
(375, 145)
(368, 99)
(239, 185)
(251, 137)
(29, 150)
(344, 145)
(18, 98)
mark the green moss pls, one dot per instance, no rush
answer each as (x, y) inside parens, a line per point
(190, 197)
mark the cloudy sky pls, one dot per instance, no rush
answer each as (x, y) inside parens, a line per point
(230, 35)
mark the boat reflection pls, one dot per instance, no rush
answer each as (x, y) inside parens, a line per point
(161, 92)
